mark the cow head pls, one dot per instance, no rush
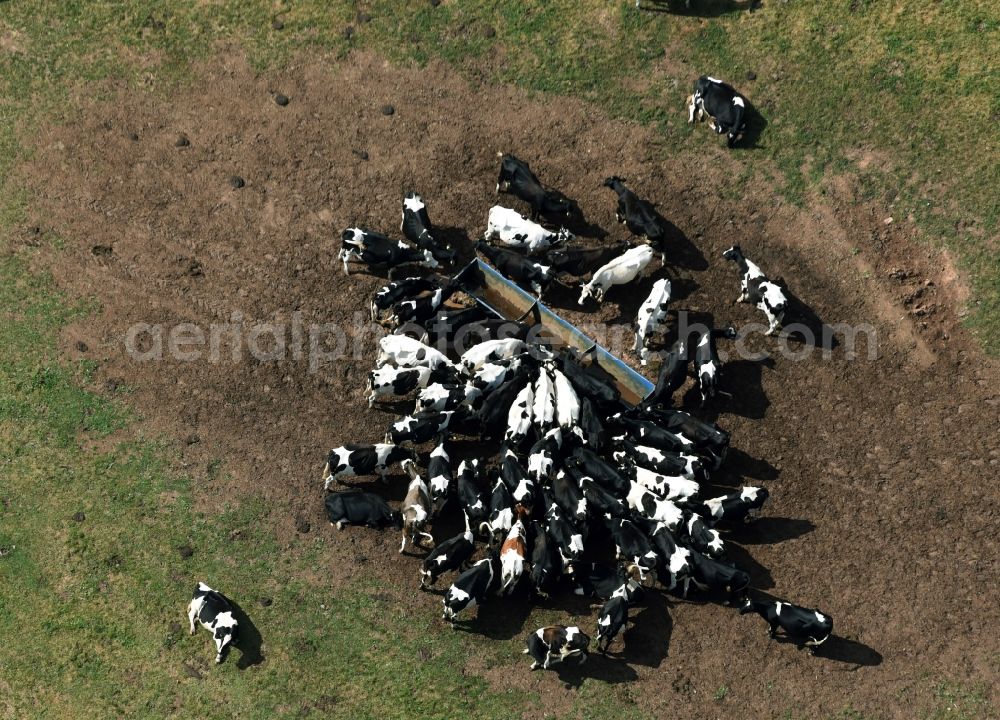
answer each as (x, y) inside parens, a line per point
(224, 630)
(734, 253)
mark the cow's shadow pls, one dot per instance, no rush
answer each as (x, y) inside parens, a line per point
(699, 8)
(754, 125)
(459, 241)
(681, 251)
(249, 641)
(769, 530)
(760, 576)
(742, 378)
(850, 652)
(599, 667)
(740, 464)
(647, 640)
(499, 618)
(804, 324)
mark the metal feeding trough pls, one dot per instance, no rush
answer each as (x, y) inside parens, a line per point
(505, 299)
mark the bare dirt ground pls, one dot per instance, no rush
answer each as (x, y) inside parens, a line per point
(882, 472)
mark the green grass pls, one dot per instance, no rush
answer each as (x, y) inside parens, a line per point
(86, 608)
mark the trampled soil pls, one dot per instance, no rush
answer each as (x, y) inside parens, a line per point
(882, 472)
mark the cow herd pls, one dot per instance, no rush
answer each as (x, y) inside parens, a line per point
(560, 485)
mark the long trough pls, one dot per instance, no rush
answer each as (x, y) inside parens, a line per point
(498, 295)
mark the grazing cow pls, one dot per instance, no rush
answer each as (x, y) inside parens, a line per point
(418, 428)
(404, 352)
(446, 398)
(518, 268)
(519, 415)
(567, 402)
(671, 376)
(416, 508)
(373, 248)
(755, 288)
(666, 487)
(650, 434)
(588, 384)
(600, 499)
(651, 315)
(470, 588)
(515, 231)
(447, 325)
(491, 351)
(439, 475)
(808, 626)
(353, 507)
(722, 103)
(469, 493)
(492, 415)
(675, 565)
(702, 436)
(404, 289)
(567, 537)
(742, 506)
(581, 261)
(214, 612)
(639, 216)
(550, 645)
(452, 554)
(543, 454)
(614, 614)
(665, 462)
(512, 555)
(416, 227)
(645, 502)
(353, 460)
(701, 537)
(706, 361)
(569, 497)
(632, 544)
(589, 427)
(717, 576)
(501, 515)
(543, 411)
(592, 465)
(546, 564)
(389, 381)
(516, 178)
(623, 269)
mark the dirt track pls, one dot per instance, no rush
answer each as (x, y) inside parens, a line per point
(882, 473)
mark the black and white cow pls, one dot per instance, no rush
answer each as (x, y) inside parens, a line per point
(569, 497)
(418, 428)
(518, 268)
(352, 460)
(214, 612)
(639, 216)
(402, 351)
(567, 402)
(416, 227)
(442, 397)
(700, 536)
(521, 486)
(600, 499)
(632, 544)
(447, 325)
(469, 493)
(501, 513)
(668, 487)
(492, 351)
(600, 580)
(543, 411)
(470, 588)
(715, 576)
(706, 361)
(742, 506)
(550, 645)
(546, 564)
(589, 427)
(660, 461)
(592, 465)
(489, 376)
(613, 615)
(404, 289)
(374, 248)
(568, 537)
(421, 309)
(672, 374)
(675, 559)
(390, 382)
(517, 179)
(494, 411)
(620, 271)
(354, 507)
(649, 319)
(439, 477)
(543, 455)
(518, 232)
(808, 626)
(702, 436)
(519, 415)
(722, 103)
(755, 288)
(452, 554)
(649, 504)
